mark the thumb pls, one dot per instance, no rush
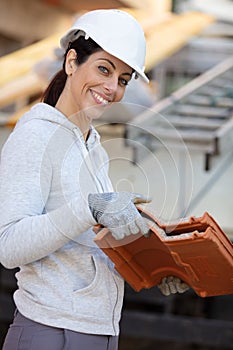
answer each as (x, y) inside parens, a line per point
(138, 198)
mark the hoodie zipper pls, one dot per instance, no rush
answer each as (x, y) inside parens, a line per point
(100, 189)
(87, 160)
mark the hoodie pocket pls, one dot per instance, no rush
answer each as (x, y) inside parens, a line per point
(98, 299)
(96, 280)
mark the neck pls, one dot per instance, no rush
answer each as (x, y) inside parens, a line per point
(82, 122)
(80, 119)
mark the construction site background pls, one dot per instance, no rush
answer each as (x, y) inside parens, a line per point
(185, 40)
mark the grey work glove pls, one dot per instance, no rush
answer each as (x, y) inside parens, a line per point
(117, 212)
(172, 285)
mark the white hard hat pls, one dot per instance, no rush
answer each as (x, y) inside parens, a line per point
(116, 32)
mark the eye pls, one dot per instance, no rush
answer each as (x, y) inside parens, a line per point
(123, 82)
(103, 69)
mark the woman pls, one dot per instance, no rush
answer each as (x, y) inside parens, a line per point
(55, 187)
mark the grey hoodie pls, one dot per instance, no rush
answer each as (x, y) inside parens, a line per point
(46, 174)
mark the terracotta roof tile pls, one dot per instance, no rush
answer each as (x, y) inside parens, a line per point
(195, 250)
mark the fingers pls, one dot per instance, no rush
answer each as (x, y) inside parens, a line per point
(142, 225)
(181, 287)
(120, 232)
(164, 288)
(172, 285)
(139, 198)
(138, 225)
(127, 220)
(133, 228)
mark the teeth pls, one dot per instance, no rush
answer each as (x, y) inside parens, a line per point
(99, 98)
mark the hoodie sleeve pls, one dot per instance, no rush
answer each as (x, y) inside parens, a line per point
(27, 232)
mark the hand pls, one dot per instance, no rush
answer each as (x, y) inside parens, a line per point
(172, 285)
(117, 212)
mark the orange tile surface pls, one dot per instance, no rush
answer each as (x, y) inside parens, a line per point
(197, 251)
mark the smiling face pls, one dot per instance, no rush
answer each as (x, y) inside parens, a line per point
(98, 82)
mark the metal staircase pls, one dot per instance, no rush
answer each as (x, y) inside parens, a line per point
(198, 116)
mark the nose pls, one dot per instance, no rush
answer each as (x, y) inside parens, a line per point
(111, 85)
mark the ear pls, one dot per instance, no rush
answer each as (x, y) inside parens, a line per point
(70, 65)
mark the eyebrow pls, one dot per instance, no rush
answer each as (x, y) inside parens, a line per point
(114, 67)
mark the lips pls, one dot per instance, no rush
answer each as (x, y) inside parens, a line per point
(99, 99)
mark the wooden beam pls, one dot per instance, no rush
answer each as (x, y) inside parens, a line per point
(81, 5)
(151, 6)
(28, 21)
(22, 61)
(25, 86)
(169, 36)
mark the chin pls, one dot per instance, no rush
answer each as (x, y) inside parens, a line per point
(96, 111)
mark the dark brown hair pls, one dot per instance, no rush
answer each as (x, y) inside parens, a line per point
(84, 48)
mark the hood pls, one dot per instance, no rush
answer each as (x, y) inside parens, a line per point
(43, 111)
